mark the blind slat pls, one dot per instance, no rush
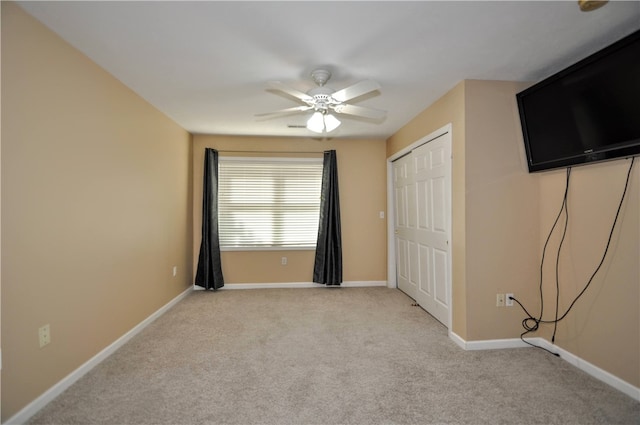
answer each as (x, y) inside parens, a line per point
(269, 203)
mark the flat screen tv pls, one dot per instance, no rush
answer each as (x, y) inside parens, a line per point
(586, 113)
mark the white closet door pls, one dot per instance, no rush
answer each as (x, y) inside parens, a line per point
(432, 180)
(405, 220)
(422, 183)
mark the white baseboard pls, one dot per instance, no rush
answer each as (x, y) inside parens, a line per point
(356, 284)
(593, 370)
(488, 344)
(282, 285)
(32, 408)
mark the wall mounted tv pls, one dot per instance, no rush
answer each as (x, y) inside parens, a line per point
(586, 113)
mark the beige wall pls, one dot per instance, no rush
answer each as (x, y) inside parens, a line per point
(362, 178)
(448, 109)
(494, 204)
(96, 208)
(604, 326)
(101, 197)
(501, 216)
(501, 211)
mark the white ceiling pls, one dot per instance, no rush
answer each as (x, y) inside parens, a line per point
(206, 64)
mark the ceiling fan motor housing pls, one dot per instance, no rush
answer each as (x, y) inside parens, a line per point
(321, 98)
(321, 76)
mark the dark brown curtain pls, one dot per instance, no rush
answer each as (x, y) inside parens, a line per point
(209, 273)
(328, 262)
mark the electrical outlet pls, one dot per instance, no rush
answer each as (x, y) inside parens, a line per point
(508, 301)
(175, 271)
(499, 300)
(44, 333)
(284, 261)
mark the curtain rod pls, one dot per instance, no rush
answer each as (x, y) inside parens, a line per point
(295, 152)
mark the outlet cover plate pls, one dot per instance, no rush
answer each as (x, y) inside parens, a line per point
(44, 335)
(507, 301)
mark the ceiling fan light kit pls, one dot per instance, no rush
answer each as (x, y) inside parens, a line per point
(324, 100)
(322, 122)
(330, 122)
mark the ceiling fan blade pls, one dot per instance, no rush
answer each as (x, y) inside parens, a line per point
(286, 111)
(360, 111)
(290, 91)
(356, 90)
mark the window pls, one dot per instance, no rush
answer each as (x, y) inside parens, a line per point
(268, 203)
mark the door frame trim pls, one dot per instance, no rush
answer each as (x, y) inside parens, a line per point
(392, 281)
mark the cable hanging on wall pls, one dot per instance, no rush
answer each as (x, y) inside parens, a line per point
(531, 323)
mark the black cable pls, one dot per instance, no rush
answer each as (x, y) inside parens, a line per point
(565, 205)
(606, 250)
(526, 323)
(529, 329)
(530, 323)
(544, 251)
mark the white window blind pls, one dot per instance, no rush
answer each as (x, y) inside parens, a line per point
(268, 203)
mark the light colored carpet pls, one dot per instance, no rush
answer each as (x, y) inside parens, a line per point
(325, 356)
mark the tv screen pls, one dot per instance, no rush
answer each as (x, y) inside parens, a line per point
(586, 113)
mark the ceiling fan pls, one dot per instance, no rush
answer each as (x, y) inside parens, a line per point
(324, 101)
